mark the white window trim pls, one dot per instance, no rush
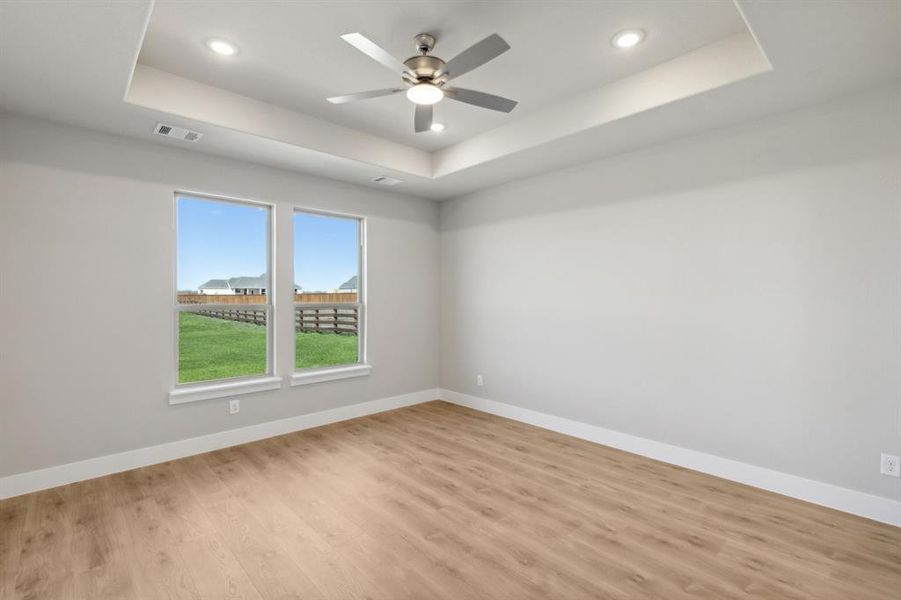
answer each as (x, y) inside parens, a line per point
(309, 376)
(223, 389)
(182, 393)
(361, 368)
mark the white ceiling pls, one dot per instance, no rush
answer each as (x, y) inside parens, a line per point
(291, 54)
(75, 62)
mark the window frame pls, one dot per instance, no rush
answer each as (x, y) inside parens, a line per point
(362, 367)
(227, 386)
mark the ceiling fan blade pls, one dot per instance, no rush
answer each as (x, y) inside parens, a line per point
(481, 99)
(422, 119)
(476, 56)
(363, 95)
(374, 51)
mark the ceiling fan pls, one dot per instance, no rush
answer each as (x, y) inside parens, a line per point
(426, 76)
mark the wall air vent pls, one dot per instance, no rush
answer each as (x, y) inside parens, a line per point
(178, 133)
(383, 180)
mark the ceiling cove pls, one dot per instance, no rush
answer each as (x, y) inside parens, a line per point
(253, 78)
(563, 67)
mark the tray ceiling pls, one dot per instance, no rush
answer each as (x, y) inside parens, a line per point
(122, 67)
(291, 55)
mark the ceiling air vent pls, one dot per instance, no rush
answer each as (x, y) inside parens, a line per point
(382, 179)
(178, 133)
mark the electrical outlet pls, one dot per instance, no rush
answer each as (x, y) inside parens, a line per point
(890, 465)
(479, 381)
(234, 407)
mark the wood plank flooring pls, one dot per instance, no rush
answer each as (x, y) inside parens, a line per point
(433, 501)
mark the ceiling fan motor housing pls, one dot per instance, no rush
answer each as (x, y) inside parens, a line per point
(424, 67)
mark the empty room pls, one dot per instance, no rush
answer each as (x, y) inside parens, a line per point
(450, 300)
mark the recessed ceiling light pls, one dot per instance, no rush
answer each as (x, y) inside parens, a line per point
(438, 127)
(628, 38)
(425, 93)
(222, 47)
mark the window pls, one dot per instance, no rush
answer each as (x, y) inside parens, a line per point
(329, 307)
(223, 246)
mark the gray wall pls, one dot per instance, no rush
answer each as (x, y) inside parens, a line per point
(86, 257)
(736, 293)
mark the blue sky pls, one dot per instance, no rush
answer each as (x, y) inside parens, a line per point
(326, 251)
(218, 240)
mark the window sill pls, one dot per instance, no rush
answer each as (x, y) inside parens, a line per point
(323, 375)
(209, 391)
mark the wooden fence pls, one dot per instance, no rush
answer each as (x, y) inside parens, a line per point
(322, 318)
(249, 315)
(335, 298)
(319, 318)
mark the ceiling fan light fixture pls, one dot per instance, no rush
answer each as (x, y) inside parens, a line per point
(425, 93)
(628, 38)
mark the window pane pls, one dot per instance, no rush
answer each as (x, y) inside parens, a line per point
(326, 280)
(325, 336)
(222, 252)
(214, 346)
(223, 257)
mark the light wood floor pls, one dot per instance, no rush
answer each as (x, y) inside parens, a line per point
(433, 502)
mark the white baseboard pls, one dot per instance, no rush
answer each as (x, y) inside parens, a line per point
(873, 507)
(32, 481)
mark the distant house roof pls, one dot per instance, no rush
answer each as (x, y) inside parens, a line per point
(249, 282)
(215, 284)
(243, 282)
(350, 284)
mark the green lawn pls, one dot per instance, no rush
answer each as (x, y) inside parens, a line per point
(210, 348)
(323, 350)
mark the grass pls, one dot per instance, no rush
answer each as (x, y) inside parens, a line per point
(323, 350)
(210, 348)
